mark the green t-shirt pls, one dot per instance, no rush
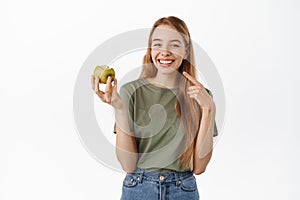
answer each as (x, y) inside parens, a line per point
(156, 126)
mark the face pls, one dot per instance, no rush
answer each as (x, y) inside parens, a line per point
(167, 49)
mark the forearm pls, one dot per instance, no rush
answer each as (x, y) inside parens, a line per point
(125, 142)
(204, 140)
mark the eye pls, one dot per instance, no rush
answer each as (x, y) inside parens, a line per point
(156, 45)
(175, 45)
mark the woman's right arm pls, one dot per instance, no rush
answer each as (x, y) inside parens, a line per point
(125, 143)
(126, 150)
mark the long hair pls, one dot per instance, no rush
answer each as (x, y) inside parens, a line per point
(186, 108)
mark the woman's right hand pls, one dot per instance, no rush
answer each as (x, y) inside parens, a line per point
(110, 94)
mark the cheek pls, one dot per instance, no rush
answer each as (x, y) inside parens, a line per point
(180, 54)
(153, 54)
(179, 57)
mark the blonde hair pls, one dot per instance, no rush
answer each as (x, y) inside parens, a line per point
(187, 109)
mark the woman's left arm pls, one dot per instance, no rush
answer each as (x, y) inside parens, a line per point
(204, 140)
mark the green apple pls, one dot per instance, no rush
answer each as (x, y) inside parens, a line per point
(103, 72)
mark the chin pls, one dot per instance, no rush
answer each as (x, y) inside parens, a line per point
(166, 71)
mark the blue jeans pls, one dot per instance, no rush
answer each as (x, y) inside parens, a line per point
(148, 185)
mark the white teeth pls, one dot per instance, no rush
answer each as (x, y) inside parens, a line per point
(165, 61)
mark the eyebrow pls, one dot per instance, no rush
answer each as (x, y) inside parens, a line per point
(175, 40)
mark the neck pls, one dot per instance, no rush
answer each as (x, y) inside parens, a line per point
(165, 80)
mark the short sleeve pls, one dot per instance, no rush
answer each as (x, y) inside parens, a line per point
(126, 96)
(215, 125)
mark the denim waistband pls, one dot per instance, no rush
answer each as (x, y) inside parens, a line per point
(172, 176)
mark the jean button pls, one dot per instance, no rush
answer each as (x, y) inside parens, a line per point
(161, 178)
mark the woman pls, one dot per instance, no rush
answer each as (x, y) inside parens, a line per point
(165, 120)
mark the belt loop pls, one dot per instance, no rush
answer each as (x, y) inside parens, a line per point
(140, 177)
(177, 179)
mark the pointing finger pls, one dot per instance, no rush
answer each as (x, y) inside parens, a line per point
(190, 78)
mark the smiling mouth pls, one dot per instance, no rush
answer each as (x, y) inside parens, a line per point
(165, 62)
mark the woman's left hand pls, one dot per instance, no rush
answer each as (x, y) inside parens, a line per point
(198, 92)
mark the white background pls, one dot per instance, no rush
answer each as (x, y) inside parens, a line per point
(254, 45)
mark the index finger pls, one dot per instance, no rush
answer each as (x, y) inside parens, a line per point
(192, 79)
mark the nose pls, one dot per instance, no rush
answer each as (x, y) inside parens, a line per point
(165, 52)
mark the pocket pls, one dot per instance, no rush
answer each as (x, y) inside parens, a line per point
(189, 184)
(130, 180)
